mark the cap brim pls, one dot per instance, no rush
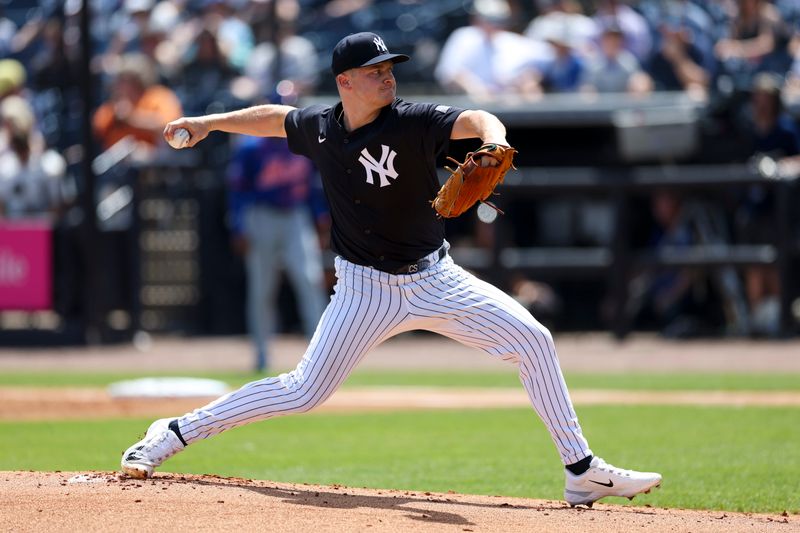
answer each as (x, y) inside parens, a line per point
(394, 58)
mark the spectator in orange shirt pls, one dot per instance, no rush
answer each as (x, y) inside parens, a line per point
(138, 106)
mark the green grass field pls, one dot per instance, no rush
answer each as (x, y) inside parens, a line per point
(727, 458)
(737, 459)
(732, 382)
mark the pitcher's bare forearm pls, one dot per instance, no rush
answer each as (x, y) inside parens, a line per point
(481, 124)
(260, 121)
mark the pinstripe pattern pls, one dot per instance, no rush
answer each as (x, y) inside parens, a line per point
(460, 306)
(368, 307)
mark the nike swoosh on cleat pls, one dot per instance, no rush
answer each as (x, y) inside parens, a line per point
(609, 484)
(132, 456)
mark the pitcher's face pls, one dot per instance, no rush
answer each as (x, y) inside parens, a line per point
(375, 84)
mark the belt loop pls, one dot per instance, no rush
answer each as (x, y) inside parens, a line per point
(424, 262)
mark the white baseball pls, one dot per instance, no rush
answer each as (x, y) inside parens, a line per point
(179, 138)
(486, 214)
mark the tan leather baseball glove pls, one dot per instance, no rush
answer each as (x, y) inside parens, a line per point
(471, 182)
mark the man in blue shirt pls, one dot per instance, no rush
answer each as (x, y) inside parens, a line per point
(274, 201)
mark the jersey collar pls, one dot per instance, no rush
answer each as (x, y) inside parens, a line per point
(336, 119)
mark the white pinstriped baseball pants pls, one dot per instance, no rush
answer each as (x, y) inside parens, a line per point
(370, 306)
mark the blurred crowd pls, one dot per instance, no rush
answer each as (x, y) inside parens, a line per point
(216, 54)
(155, 60)
(614, 46)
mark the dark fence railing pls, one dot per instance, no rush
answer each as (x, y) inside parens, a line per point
(166, 266)
(618, 259)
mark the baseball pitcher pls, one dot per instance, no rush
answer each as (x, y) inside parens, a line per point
(376, 154)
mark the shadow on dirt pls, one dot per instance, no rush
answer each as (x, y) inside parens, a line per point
(420, 506)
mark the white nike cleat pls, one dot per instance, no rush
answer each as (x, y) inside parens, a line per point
(159, 444)
(603, 479)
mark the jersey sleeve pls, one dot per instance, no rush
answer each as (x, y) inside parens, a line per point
(302, 127)
(436, 123)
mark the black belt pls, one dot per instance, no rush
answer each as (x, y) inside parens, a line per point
(420, 265)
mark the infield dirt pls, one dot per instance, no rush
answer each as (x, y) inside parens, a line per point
(27, 403)
(98, 501)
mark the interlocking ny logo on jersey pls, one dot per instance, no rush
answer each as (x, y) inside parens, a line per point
(383, 168)
(379, 44)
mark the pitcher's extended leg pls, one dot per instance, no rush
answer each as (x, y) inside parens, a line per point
(363, 312)
(360, 315)
(473, 312)
(461, 306)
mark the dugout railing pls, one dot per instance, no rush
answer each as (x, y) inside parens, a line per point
(169, 267)
(615, 262)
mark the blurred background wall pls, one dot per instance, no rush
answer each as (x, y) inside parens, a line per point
(656, 186)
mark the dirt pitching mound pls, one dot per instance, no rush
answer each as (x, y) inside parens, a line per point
(98, 501)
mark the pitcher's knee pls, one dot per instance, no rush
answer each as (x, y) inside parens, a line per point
(303, 394)
(293, 380)
(309, 398)
(535, 332)
(538, 341)
(309, 403)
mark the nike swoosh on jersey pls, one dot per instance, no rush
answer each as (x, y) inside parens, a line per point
(321, 139)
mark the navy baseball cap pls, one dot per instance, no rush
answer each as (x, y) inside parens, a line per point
(360, 50)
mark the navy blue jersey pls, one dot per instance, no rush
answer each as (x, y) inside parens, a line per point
(379, 179)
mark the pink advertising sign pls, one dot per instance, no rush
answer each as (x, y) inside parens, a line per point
(25, 265)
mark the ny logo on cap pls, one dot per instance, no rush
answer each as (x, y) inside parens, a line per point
(380, 45)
